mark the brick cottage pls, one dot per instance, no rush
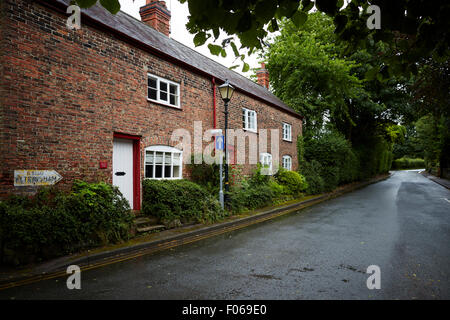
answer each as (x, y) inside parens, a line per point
(102, 102)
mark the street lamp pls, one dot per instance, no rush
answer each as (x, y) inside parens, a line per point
(226, 92)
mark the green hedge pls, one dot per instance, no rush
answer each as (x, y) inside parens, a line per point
(311, 171)
(206, 175)
(54, 223)
(263, 190)
(338, 162)
(329, 160)
(408, 163)
(251, 197)
(179, 199)
(293, 183)
(375, 157)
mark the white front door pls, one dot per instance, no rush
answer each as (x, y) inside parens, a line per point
(123, 167)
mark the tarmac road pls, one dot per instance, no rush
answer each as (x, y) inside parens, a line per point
(401, 224)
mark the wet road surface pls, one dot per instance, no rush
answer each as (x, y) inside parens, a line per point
(401, 224)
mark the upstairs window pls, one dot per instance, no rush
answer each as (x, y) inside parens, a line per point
(287, 132)
(287, 162)
(163, 162)
(249, 121)
(163, 91)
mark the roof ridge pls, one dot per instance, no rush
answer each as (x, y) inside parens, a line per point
(137, 30)
(192, 49)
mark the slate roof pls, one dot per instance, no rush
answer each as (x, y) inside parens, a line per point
(143, 34)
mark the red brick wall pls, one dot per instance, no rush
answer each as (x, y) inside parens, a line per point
(64, 93)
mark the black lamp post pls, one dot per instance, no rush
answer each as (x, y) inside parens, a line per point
(226, 92)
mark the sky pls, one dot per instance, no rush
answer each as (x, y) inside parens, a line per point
(179, 18)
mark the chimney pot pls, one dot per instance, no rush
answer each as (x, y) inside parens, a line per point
(156, 15)
(263, 76)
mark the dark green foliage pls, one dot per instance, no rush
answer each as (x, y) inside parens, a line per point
(251, 197)
(206, 175)
(112, 6)
(408, 163)
(311, 171)
(375, 157)
(179, 199)
(53, 223)
(410, 147)
(293, 183)
(338, 163)
(257, 178)
(264, 190)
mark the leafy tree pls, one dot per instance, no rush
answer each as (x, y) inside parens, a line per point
(412, 29)
(428, 139)
(410, 147)
(306, 73)
(430, 102)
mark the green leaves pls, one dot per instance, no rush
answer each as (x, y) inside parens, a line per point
(235, 50)
(299, 18)
(245, 67)
(112, 6)
(372, 73)
(85, 3)
(200, 38)
(214, 49)
(264, 10)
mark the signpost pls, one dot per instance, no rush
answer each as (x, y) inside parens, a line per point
(219, 143)
(219, 148)
(27, 178)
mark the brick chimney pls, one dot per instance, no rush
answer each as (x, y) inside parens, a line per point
(263, 76)
(156, 15)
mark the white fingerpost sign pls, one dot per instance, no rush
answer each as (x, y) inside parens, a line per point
(27, 178)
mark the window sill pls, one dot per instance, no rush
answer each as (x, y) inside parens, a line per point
(251, 130)
(163, 178)
(163, 104)
(287, 140)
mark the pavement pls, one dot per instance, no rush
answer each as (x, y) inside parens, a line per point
(443, 182)
(151, 243)
(401, 225)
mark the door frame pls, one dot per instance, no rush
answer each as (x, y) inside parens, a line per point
(136, 167)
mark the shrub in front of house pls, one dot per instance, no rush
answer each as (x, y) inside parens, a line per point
(248, 197)
(206, 175)
(264, 190)
(53, 223)
(181, 200)
(294, 183)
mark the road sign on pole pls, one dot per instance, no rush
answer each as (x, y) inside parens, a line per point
(219, 143)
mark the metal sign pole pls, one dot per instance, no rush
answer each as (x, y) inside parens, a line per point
(221, 181)
(219, 149)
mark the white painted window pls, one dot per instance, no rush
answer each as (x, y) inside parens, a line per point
(163, 91)
(287, 132)
(266, 160)
(287, 162)
(249, 120)
(163, 162)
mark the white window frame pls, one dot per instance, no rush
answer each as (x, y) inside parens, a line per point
(266, 158)
(164, 150)
(247, 113)
(287, 132)
(158, 91)
(287, 162)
